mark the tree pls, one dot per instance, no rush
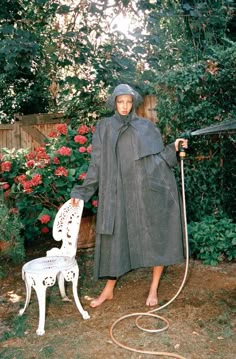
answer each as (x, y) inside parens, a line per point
(24, 77)
(64, 56)
(53, 53)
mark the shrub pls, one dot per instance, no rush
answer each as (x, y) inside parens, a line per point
(213, 239)
(39, 182)
(12, 242)
(194, 96)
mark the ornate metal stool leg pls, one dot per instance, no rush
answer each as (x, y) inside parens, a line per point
(75, 278)
(40, 287)
(41, 295)
(61, 284)
(28, 292)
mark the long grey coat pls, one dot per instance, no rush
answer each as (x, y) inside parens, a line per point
(138, 219)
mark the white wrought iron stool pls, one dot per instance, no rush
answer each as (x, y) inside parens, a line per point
(59, 263)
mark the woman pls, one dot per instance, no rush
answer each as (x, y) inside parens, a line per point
(138, 218)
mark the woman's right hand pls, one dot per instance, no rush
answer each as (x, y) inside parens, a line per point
(74, 202)
(181, 141)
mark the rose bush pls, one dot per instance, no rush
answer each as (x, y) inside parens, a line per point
(37, 183)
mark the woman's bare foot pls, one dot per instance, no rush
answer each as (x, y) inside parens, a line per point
(152, 299)
(99, 300)
(152, 295)
(107, 294)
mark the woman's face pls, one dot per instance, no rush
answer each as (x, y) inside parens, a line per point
(124, 104)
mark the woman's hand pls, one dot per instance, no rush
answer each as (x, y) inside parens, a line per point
(74, 202)
(183, 141)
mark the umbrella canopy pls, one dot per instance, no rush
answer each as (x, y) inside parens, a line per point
(226, 126)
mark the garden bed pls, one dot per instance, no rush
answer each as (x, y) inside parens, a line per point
(202, 321)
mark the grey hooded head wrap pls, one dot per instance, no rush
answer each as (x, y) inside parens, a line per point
(123, 89)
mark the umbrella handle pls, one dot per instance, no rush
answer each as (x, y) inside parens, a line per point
(182, 151)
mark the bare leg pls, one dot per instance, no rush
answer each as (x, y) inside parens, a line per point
(107, 293)
(152, 295)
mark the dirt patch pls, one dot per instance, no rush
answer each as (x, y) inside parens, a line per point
(202, 318)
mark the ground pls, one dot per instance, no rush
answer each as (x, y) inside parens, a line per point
(202, 318)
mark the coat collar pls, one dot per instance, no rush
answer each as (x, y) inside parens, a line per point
(146, 141)
(119, 121)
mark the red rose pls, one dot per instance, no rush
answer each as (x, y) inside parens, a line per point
(95, 203)
(82, 176)
(29, 156)
(82, 149)
(62, 128)
(5, 186)
(27, 185)
(53, 134)
(82, 130)
(89, 149)
(56, 160)
(61, 171)
(45, 230)
(6, 166)
(45, 218)
(30, 163)
(20, 179)
(40, 149)
(41, 154)
(36, 180)
(80, 139)
(64, 151)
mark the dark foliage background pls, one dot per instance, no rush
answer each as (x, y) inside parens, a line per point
(67, 57)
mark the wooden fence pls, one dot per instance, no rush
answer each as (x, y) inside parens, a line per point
(147, 108)
(29, 131)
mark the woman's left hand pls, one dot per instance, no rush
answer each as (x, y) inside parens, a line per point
(182, 141)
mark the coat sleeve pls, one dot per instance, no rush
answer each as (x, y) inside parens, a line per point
(90, 184)
(169, 155)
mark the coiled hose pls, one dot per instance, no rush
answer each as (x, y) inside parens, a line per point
(151, 313)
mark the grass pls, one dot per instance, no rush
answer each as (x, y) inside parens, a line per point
(17, 327)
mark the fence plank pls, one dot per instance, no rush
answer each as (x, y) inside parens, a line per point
(16, 136)
(40, 118)
(147, 108)
(6, 137)
(36, 135)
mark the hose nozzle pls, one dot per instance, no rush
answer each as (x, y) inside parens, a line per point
(182, 152)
